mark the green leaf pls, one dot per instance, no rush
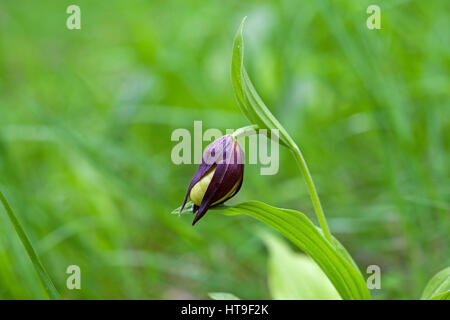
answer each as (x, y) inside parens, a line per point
(222, 296)
(438, 288)
(187, 208)
(442, 296)
(294, 276)
(42, 273)
(332, 258)
(247, 98)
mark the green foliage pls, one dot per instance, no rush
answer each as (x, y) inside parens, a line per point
(438, 288)
(256, 111)
(294, 276)
(248, 99)
(41, 271)
(338, 266)
(222, 296)
(86, 118)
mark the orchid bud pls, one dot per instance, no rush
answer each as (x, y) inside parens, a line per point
(219, 176)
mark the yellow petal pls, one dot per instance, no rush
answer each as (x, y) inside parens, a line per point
(199, 189)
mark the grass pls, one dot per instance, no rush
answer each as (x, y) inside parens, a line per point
(86, 118)
(42, 273)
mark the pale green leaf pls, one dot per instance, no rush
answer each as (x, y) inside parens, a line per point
(187, 208)
(438, 288)
(442, 296)
(332, 258)
(222, 296)
(295, 276)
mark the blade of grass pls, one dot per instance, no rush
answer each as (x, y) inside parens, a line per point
(43, 275)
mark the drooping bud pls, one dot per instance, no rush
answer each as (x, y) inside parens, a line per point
(219, 176)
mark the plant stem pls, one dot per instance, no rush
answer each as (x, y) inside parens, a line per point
(252, 129)
(245, 131)
(43, 275)
(312, 191)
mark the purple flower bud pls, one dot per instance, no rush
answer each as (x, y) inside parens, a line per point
(219, 176)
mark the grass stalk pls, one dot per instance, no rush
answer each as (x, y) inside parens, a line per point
(42, 273)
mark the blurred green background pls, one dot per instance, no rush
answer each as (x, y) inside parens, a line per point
(86, 118)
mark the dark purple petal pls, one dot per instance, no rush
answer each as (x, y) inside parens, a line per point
(235, 175)
(227, 156)
(237, 188)
(217, 178)
(213, 152)
(226, 176)
(201, 171)
(210, 157)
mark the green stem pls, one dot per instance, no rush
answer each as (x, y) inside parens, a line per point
(245, 131)
(252, 129)
(43, 275)
(312, 191)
